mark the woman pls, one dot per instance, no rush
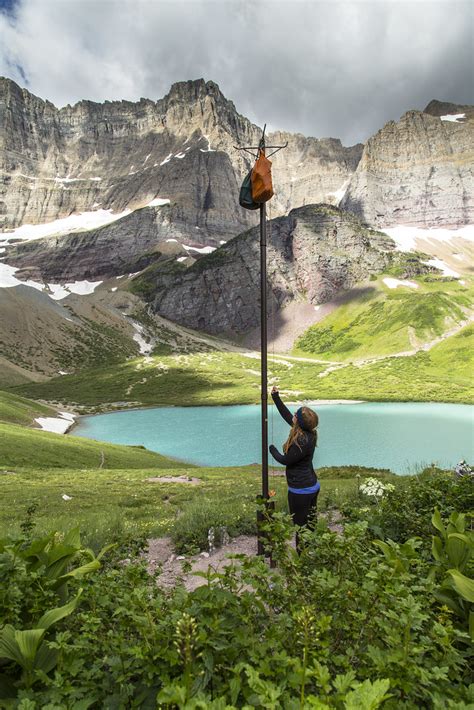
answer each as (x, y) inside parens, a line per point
(303, 486)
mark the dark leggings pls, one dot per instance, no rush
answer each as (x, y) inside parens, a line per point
(303, 510)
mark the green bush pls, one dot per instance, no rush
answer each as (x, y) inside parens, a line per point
(407, 511)
(348, 624)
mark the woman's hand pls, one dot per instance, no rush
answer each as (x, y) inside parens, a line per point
(274, 389)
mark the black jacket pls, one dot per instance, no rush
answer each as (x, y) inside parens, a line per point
(298, 461)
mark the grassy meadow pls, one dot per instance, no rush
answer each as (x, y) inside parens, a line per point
(18, 410)
(121, 503)
(444, 373)
(383, 321)
(348, 355)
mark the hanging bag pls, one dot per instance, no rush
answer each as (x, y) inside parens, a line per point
(245, 198)
(261, 177)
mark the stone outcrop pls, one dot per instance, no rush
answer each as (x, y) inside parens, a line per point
(122, 247)
(419, 171)
(122, 154)
(313, 253)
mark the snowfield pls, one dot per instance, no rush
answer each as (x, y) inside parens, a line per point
(393, 283)
(56, 425)
(73, 223)
(405, 237)
(453, 117)
(55, 291)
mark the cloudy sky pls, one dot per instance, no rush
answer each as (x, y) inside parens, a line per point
(329, 68)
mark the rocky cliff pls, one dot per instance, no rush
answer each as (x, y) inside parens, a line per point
(125, 246)
(418, 171)
(313, 253)
(121, 154)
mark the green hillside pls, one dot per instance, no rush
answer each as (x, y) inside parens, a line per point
(18, 410)
(443, 374)
(198, 378)
(20, 446)
(384, 321)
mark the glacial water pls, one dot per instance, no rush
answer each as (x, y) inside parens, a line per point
(400, 436)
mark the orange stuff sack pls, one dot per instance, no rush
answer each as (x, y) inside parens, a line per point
(262, 188)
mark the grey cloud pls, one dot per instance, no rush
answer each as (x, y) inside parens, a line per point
(338, 69)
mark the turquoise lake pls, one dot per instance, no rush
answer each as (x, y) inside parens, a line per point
(400, 436)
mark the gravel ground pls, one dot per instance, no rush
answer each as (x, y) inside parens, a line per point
(161, 552)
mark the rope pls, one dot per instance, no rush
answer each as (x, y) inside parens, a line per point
(272, 327)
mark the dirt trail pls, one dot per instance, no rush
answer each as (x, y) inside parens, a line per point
(161, 553)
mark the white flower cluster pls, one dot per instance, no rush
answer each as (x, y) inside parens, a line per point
(375, 488)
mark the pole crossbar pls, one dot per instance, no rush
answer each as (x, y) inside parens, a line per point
(263, 343)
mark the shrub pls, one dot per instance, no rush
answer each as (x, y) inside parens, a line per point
(345, 625)
(406, 512)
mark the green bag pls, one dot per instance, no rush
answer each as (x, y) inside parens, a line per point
(245, 198)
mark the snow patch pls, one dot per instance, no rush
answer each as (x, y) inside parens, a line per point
(158, 202)
(84, 220)
(9, 280)
(200, 250)
(60, 179)
(393, 283)
(146, 158)
(145, 347)
(208, 149)
(167, 159)
(81, 288)
(180, 155)
(339, 194)
(57, 292)
(182, 258)
(453, 117)
(57, 425)
(443, 267)
(405, 237)
(171, 240)
(113, 289)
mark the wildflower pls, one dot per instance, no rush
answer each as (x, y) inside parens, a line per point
(186, 631)
(66, 497)
(374, 488)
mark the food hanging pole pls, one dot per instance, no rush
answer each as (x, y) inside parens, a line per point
(263, 334)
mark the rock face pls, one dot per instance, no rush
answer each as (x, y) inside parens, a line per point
(121, 154)
(125, 246)
(419, 171)
(313, 253)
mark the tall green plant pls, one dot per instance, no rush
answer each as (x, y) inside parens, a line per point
(453, 552)
(33, 575)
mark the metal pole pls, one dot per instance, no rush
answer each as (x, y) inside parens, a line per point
(263, 366)
(263, 347)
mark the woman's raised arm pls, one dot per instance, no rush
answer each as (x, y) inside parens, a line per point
(284, 411)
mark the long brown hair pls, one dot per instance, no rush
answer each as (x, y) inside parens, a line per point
(311, 421)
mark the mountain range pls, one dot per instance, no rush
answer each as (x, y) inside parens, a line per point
(121, 219)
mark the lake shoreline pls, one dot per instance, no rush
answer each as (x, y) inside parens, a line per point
(400, 436)
(313, 402)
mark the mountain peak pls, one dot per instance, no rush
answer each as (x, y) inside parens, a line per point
(444, 108)
(194, 89)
